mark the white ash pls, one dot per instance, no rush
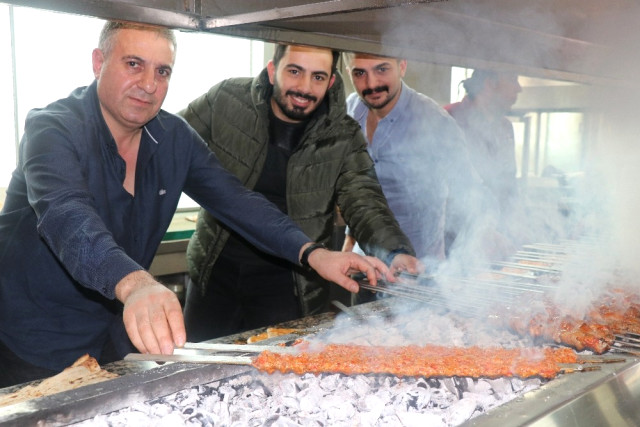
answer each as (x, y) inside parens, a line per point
(321, 400)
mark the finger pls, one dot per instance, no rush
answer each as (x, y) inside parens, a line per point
(349, 284)
(146, 331)
(132, 331)
(381, 268)
(162, 337)
(369, 270)
(176, 324)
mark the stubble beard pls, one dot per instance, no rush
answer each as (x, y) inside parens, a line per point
(294, 113)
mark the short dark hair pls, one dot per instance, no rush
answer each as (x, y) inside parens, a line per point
(474, 84)
(281, 49)
(110, 28)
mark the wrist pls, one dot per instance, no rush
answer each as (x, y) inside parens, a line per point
(304, 258)
(130, 283)
(393, 253)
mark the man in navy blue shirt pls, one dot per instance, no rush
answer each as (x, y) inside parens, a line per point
(98, 181)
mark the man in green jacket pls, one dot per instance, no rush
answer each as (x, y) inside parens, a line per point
(285, 134)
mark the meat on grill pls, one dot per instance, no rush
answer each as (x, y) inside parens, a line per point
(617, 311)
(425, 361)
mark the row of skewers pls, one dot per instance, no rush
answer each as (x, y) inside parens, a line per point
(403, 361)
(521, 302)
(517, 295)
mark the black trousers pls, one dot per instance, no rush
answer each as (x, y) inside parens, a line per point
(239, 298)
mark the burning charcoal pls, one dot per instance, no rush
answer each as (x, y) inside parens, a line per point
(422, 383)
(484, 401)
(161, 410)
(388, 381)
(406, 401)
(462, 384)
(481, 386)
(365, 418)
(227, 392)
(279, 421)
(358, 385)
(309, 399)
(372, 404)
(337, 408)
(442, 398)
(433, 382)
(518, 385)
(204, 390)
(451, 385)
(501, 387)
(291, 403)
(422, 397)
(200, 418)
(219, 412)
(462, 410)
(330, 382)
(419, 419)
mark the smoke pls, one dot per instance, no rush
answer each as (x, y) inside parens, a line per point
(594, 218)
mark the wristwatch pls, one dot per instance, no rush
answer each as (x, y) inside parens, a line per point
(304, 259)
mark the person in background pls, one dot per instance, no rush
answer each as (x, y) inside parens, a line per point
(489, 134)
(285, 134)
(419, 156)
(98, 180)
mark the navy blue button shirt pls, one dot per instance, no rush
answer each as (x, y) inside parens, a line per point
(69, 231)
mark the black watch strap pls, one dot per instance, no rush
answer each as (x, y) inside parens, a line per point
(304, 259)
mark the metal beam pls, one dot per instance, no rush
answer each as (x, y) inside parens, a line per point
(329, 7)
(119, 10)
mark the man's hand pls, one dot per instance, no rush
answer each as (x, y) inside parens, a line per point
(337, 267)
(408, 263)
(152, 314)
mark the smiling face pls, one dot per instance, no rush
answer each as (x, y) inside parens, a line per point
(378, 80)
(133, 78)
(300, 82)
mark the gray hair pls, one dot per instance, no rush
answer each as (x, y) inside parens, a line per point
(105, 44)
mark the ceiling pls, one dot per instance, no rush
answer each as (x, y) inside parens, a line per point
(588, 41)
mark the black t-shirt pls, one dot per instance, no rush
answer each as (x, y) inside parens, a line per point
(284, 138)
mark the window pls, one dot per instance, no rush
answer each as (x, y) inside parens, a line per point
(51, 56)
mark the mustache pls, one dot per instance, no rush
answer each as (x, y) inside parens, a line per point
(301, 95)
(377, 89)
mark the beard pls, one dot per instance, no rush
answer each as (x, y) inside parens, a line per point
(293, 112)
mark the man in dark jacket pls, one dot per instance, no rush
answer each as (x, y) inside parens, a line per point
(286, 135)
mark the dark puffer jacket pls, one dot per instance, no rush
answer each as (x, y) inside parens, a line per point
(330, 166)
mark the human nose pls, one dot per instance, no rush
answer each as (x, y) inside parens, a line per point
(370, 80)
(148, 81)
(304, 84)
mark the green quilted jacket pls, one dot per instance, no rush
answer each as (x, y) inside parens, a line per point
(330, 167)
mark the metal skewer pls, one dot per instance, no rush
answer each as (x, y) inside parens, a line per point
(526, 267)
(233, 348)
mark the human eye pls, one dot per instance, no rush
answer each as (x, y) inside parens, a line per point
(164, 72)
(357, 73)
(319, 77)
(382, 70)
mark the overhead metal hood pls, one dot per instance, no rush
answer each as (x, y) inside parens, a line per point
(577, 40)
